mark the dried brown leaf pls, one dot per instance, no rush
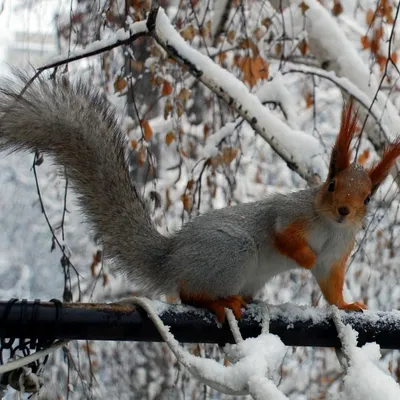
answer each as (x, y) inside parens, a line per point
(231, 37)
(304, 7)
(227, 155)
(369, 17)
(167, 109)
(221, 57)
(365, 43)
(189, 33)
(187, 201)
(309, 100)
(147, 131)
(190, 184)
(337, 8)
(363, 158)
(168, 201)
(184, 94)
(120, 84)
(179, 108)
(254, 69)
(137, 66)
(141, 156)
(166, 89)
(249, 44)
(134, 144)
(267, 22)
(303, 47)
(169, 137)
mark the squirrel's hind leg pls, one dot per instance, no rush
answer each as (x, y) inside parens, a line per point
(215, 305)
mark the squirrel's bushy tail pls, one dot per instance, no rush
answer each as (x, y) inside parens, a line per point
(77, 126)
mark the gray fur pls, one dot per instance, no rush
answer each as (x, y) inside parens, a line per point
(223, 252)
(230, 250)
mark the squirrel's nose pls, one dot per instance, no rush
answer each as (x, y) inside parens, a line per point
(344, 211)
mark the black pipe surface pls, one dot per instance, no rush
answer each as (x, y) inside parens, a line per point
(296, 326)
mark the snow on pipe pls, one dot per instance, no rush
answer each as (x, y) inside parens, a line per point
(296, 326)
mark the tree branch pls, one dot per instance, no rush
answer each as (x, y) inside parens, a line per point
(121, 38)
(278, 135)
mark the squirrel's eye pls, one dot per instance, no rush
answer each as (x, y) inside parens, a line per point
(367, 199)
(331, 186)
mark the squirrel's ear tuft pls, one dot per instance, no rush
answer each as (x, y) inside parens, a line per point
(381, 170)
(341, 154)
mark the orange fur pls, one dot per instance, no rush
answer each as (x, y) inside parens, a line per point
(292, 243)
(352, 187)
(332, 287)
(215, 305)
(341, 154)
(381, 170)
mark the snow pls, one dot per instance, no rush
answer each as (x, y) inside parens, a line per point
(255, 362)
(276, 91)
(364, 378)
(211, 148)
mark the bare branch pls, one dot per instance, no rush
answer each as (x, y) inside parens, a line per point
(122, 37)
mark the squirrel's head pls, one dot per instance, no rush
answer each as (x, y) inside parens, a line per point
(345, 195)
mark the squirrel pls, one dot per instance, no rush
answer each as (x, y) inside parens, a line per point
(221, 258)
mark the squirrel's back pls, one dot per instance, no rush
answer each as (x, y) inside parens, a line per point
(240, 237)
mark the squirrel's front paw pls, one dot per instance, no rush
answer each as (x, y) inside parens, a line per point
(356, 306)
(305, 257)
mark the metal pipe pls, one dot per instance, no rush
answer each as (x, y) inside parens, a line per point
(295, 326)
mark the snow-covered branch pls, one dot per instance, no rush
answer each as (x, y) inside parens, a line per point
(329, 44)
(285, 141)
(344, 60)
(350, 89)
